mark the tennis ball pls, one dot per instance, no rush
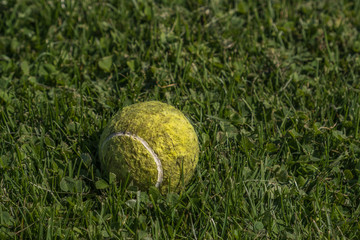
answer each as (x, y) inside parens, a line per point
(151, 143)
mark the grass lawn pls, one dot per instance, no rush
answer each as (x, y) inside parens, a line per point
(272, 87)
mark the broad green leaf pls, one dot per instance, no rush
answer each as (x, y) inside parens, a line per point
(63, 185)
(25, 67)
(6, 218)
(105, 63)
(112, 178)
(131, 65)
(101, 184)
(258, 226)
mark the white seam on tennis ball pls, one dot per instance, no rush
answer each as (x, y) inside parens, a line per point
(146, 145)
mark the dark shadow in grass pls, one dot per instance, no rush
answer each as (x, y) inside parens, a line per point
(91, 170)
(90, 164)
(149, 80)
(139, 83)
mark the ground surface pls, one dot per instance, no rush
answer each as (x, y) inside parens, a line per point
(272, 88)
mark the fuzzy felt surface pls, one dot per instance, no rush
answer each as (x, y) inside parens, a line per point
(166, 130)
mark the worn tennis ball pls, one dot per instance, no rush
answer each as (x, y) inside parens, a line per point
(151, 143)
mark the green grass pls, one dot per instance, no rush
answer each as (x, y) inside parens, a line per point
(272, 88)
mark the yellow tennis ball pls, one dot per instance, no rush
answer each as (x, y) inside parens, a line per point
(153, 143)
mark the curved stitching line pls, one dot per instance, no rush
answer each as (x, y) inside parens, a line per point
(146, 145)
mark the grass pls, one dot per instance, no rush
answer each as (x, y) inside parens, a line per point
(272, 88)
